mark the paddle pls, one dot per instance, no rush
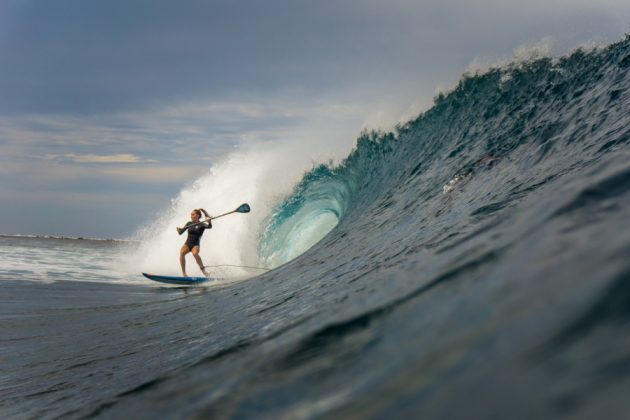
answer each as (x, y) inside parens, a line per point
(243, 208)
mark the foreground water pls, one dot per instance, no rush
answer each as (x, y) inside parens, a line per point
(480, 268)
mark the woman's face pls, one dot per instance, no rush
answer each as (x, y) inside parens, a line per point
(194, 216)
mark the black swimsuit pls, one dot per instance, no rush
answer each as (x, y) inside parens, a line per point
(195, 232)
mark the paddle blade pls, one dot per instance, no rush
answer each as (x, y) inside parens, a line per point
(243, 208)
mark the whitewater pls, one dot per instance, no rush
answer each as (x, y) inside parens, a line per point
(474, 263)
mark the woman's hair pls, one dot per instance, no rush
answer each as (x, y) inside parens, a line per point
(198, 212)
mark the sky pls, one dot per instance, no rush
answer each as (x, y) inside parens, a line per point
(109, 109)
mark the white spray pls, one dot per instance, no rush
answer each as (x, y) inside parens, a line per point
(259, 175)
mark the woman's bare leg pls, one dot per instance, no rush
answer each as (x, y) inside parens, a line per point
(195, 252)
(182, 258)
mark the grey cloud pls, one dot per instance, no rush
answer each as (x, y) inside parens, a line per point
(182, 83)
(94, 57)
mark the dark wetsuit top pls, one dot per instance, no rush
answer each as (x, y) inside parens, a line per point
(195, 232)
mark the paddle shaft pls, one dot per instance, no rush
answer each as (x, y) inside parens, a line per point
(224, 214)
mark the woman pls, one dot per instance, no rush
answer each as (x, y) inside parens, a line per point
(195, 230)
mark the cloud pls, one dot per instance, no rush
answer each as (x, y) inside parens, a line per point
(189, 133)
(152, 155)
(134, 103)
(166, 53)
(155, 174)
(91, 158)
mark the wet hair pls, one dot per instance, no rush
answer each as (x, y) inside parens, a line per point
(198, 212)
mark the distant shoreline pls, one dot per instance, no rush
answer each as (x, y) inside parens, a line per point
(75, 238)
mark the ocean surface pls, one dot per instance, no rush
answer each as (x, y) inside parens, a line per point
(472, 264)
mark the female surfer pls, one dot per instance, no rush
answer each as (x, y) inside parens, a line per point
(195, 230)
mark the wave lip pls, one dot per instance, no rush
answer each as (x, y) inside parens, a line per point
(533, 114)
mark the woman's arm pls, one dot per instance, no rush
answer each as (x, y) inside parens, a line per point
(184, 229)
